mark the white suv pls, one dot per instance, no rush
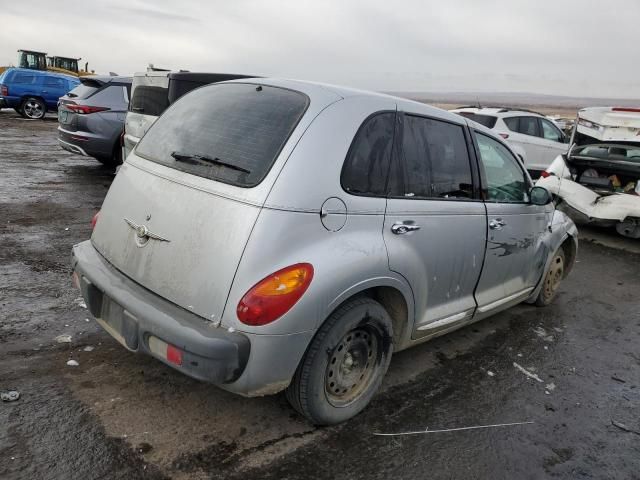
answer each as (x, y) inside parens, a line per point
(535, 138)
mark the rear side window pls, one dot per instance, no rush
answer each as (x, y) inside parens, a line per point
(524, 125)
(24, 78)
(486, 120)
(550, 131)
(227, 132)
(366, 168)
(149, 100)
(434, 161)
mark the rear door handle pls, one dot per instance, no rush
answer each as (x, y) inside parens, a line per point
(402, 228)
(496, 224)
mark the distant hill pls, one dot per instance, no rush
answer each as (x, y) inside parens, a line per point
(515, 99)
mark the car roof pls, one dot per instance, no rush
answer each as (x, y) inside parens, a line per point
(41, 73)
(314, 88)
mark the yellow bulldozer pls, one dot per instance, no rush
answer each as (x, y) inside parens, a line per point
(40, 61)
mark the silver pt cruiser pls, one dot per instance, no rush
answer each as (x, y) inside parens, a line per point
(273, 234)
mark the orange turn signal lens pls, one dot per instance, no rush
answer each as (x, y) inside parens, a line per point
(274, 295)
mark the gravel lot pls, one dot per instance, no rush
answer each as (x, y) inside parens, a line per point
(122, 416)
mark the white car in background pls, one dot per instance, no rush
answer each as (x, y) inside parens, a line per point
(536, 139)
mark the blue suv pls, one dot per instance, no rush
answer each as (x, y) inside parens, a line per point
(32, 92)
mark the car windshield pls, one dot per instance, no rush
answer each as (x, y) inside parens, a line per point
(629, 153)
(228, 132)
(486, 120)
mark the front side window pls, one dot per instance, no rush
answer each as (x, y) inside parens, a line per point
(506, 181)
(227, 132)
(433, 161)
(550, 131)
(367, 165)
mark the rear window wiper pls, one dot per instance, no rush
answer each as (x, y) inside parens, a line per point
(182, 157)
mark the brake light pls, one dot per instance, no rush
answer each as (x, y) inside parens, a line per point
(504, 135)
(4, 90)
(274, 295)
(94, 220)
(625, 109)
(545, 174)
(85, 109)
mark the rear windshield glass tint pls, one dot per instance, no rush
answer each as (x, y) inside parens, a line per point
(486, 120)
(149, 100)
(83, 91)
(227, 132)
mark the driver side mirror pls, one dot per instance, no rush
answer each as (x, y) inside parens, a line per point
(540, 196)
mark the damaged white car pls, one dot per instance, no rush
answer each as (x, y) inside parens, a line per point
(599, 179)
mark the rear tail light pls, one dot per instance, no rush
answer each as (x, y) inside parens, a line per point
(274, 296)
(164, 350)
(4, 90)
(85, 109)
(94, 220)
(504, 135)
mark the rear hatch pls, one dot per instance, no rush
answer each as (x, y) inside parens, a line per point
(68, 119)
(607, 168)
(182, 207)
(149, 99)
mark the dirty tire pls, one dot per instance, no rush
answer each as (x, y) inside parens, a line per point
(33, 108)
(552, 279)
(114, 160)
(345, 363)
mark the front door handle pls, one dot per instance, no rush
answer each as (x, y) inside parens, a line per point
(496, 224)
(402, 228)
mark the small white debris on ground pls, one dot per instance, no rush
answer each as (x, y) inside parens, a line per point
(10, 396)
(73, 363)
(542, 333)
(88, 348)
(80, 302)
(550, 386)
(63, 339)
(490, 373)
(528, 373)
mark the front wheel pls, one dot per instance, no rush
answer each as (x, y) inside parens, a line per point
(552, 279)
(33, 108)
(345, 363)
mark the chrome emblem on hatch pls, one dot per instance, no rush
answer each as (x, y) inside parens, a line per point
(143, 234)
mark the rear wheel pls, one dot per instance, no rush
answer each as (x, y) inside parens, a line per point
(114, 160)
(345, 363)
(33, 108)
(552, 279)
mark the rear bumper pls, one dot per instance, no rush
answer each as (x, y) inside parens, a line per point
(134, 315)
(3, 103)
(86, 143)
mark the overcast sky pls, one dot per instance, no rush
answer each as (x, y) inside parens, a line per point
(565, 47)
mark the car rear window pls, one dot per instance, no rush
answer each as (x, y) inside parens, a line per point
(227, 132)
(149, 100)
(486, 120)
(84, 90)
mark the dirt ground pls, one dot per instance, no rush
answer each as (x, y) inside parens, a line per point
(123, 416)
